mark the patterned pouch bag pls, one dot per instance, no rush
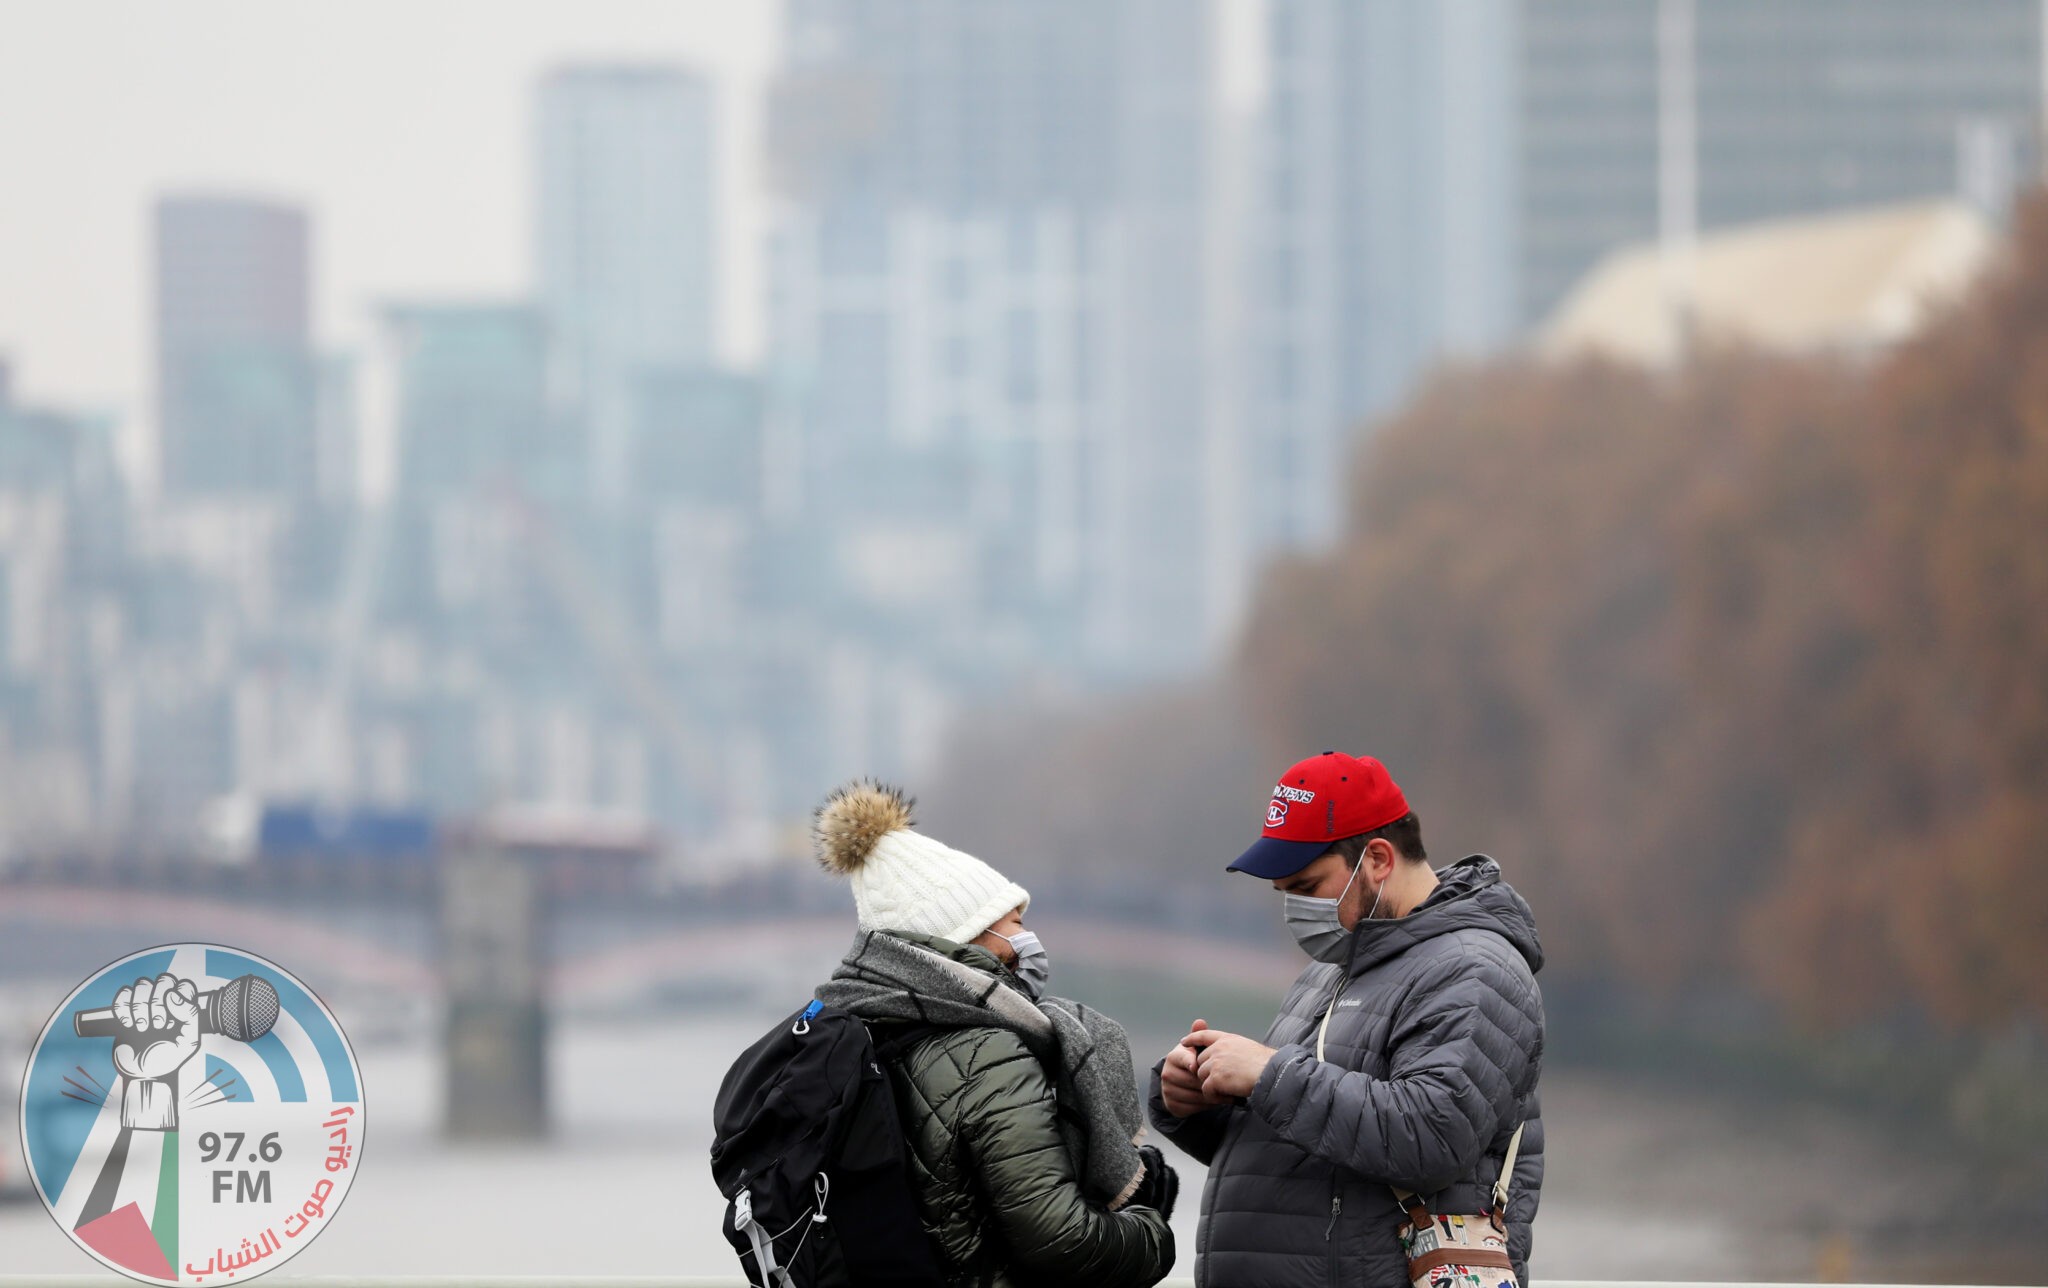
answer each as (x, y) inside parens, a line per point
(1460, 1251)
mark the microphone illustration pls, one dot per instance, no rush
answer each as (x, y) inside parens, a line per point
(244, 1009)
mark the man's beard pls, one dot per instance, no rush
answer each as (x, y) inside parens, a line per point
(1376, 908)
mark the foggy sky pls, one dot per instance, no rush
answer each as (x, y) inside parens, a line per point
(401, 124)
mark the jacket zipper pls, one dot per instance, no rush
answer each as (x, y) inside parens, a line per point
(1330, 1230)
(1328, 1018)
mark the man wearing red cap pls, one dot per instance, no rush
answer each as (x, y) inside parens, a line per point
(1389, 1121)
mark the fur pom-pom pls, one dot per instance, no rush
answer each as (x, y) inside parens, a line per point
(853, 819)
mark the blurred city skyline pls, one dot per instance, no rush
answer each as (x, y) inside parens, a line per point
(424, 188)
(750, 397)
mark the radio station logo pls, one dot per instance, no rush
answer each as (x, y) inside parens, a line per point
(192, 1114)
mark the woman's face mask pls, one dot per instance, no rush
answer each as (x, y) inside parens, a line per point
(1032, 967)
(1314, 922)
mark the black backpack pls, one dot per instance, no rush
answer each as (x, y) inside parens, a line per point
(809, 1154)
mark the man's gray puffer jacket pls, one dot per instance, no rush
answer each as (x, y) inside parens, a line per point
(1432, 1059)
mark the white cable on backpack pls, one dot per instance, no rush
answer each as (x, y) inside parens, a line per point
(817, 1220)
(822, 1187)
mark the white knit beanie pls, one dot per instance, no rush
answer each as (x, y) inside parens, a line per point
(904, 881)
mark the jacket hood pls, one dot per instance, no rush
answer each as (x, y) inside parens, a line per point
(1470, 895)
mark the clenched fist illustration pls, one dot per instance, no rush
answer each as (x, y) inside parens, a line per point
(159, 1021)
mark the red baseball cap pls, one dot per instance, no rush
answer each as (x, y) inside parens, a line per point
(1318, 802)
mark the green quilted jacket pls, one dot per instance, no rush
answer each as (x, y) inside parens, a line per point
(996, 1189)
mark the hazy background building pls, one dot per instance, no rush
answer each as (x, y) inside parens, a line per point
(236, 382)
(1800, 108)
(987, 302)
(1383, 189)
(623, 240)
(472, 410)
(62, 536)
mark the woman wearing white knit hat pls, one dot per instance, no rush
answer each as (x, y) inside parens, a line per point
(1020, 1109)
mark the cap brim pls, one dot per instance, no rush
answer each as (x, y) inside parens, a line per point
(1271, 858)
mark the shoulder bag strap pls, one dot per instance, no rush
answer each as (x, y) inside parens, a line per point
(1507, 1173)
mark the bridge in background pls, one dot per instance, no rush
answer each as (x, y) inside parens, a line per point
(485, 962)
(597, 953)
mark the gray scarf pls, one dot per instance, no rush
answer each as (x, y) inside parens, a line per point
(908, 977)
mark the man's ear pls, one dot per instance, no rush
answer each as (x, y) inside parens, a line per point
(1381, 855)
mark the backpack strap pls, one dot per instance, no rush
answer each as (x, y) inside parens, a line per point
(900, 1038)
(1417, 1210)
(764, 1249)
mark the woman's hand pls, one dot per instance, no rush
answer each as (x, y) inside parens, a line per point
(1161, 1184)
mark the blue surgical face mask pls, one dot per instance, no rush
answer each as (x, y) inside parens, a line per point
(1032, 967)
(1315, 924)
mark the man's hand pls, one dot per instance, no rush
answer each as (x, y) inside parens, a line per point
(1180, 1081)
(159, 1032)
(1229, 1064)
